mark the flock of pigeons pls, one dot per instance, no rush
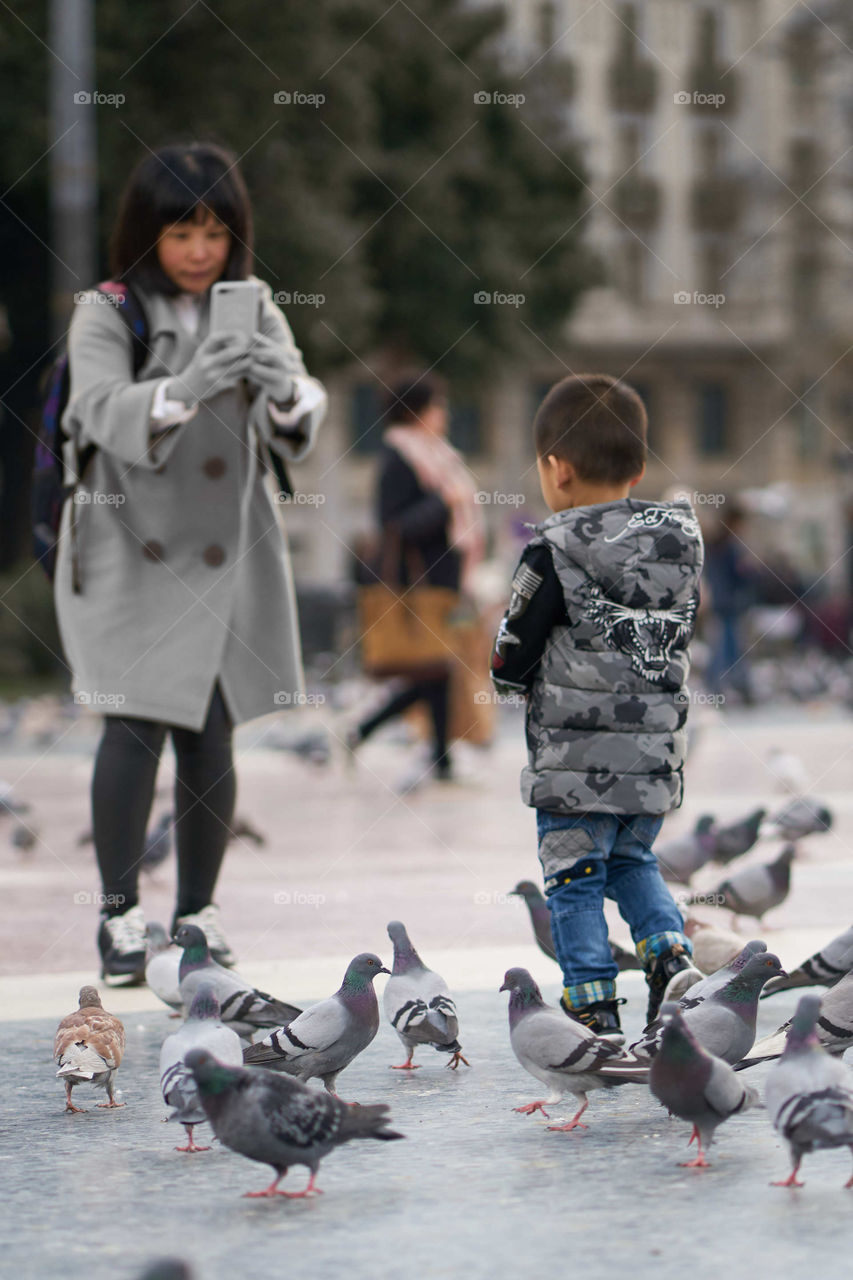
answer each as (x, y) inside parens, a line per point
(256, 1096)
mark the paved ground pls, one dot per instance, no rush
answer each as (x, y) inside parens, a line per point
(475, 1190)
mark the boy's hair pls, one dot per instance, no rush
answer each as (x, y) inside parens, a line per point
(596, 423)
(180, 182)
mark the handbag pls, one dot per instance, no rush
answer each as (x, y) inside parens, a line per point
(405, 630)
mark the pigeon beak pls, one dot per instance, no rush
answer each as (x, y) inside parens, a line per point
(382, 969)
(504, 986)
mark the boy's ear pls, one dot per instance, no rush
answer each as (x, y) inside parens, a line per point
(562, 471)
(638, 478)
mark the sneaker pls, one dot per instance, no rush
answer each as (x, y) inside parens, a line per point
(121, 942)
(208, 921)
(665, 978)
(602, 1017)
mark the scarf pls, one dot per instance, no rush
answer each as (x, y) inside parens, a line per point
(441, 468)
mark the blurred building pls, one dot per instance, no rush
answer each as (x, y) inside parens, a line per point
(717, 140)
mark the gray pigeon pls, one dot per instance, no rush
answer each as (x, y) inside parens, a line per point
(24, 837)
(834, 1027)
(809, 1095)
(418, 1004)
(723, 1019)
(799, 818)
(162, 966)
(158, 843)
(328, 1035)
(823, 969)
(241, 1006)
(540, 918)
(681, 858)
(279, 1121)
(752, 891)
(561, 1052)
(738, 838)
(693, 1084)
(202, 1030)
(645, 1048)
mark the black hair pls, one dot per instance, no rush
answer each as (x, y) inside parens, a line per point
(179, 183)
(410, 394)
(596, 423)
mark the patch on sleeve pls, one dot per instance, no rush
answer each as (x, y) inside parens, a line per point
(525, 584)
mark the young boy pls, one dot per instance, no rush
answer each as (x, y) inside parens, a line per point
(602, 608)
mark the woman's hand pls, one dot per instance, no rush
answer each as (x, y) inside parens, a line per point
(269, 369)
(218, 364)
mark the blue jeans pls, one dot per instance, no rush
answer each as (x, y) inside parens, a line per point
(585, 859)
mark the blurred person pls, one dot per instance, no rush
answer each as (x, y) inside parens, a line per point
(173, 586)
(430, 537)
(731, 583)
(595, 637)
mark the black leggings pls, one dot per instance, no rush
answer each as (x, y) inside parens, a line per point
(435, 692)
(123, 789)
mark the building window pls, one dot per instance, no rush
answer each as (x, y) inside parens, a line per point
(714, 262)
(547, 15)
(633, 270)
(713, 418)
(366, 416)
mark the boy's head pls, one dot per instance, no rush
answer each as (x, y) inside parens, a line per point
(590, 436)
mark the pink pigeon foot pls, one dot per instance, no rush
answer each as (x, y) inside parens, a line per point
(310, 1190)
(408, 1065)
(529, 1108)
(191, 1146)
(456, 1059)
(792, 1181)
(112, 1104)
(567, 1128)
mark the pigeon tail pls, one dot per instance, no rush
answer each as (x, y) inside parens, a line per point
(368, 1122)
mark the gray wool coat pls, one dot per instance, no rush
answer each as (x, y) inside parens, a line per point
(181, 562)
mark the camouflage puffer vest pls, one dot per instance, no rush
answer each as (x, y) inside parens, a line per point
(607, 710)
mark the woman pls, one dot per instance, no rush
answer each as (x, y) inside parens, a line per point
(431, 528)
(173, 587)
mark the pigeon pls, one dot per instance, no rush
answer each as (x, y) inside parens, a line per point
(162, 966)
(681, 858)
(540, 918)
(752, 891)
(808, 1093)
(823, 969)
(167, 1269)
(202, 1030)
(645, 1048)
(9, 802)
(24, 837)
(279, 1121)
(800, 817)
(158, 843)
(325, 1038)
(736, 839)
(561, 1052)
(723, 1021)
(713, 947)
(241, 1006)
(418, 1004)
(241, 829)
(88, 1048)
(834, 1027)
(693, 1084)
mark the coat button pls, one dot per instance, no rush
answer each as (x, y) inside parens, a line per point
(214, 467)
(214, 555)
(153, 550)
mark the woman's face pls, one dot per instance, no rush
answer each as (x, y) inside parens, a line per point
(193, 253)
(434, 417)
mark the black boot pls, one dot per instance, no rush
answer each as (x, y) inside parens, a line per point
(661, 973)
(602, 1017)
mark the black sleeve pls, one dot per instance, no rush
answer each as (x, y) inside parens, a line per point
(536, 606)
(402, 501)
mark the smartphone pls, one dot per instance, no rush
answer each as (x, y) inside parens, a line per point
(235, 305)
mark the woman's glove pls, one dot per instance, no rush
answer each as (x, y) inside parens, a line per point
(218, 364)
(269, 369)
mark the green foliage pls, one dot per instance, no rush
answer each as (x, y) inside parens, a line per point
(398, 198)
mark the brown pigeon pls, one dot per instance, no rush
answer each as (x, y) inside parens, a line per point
(88, 1048)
